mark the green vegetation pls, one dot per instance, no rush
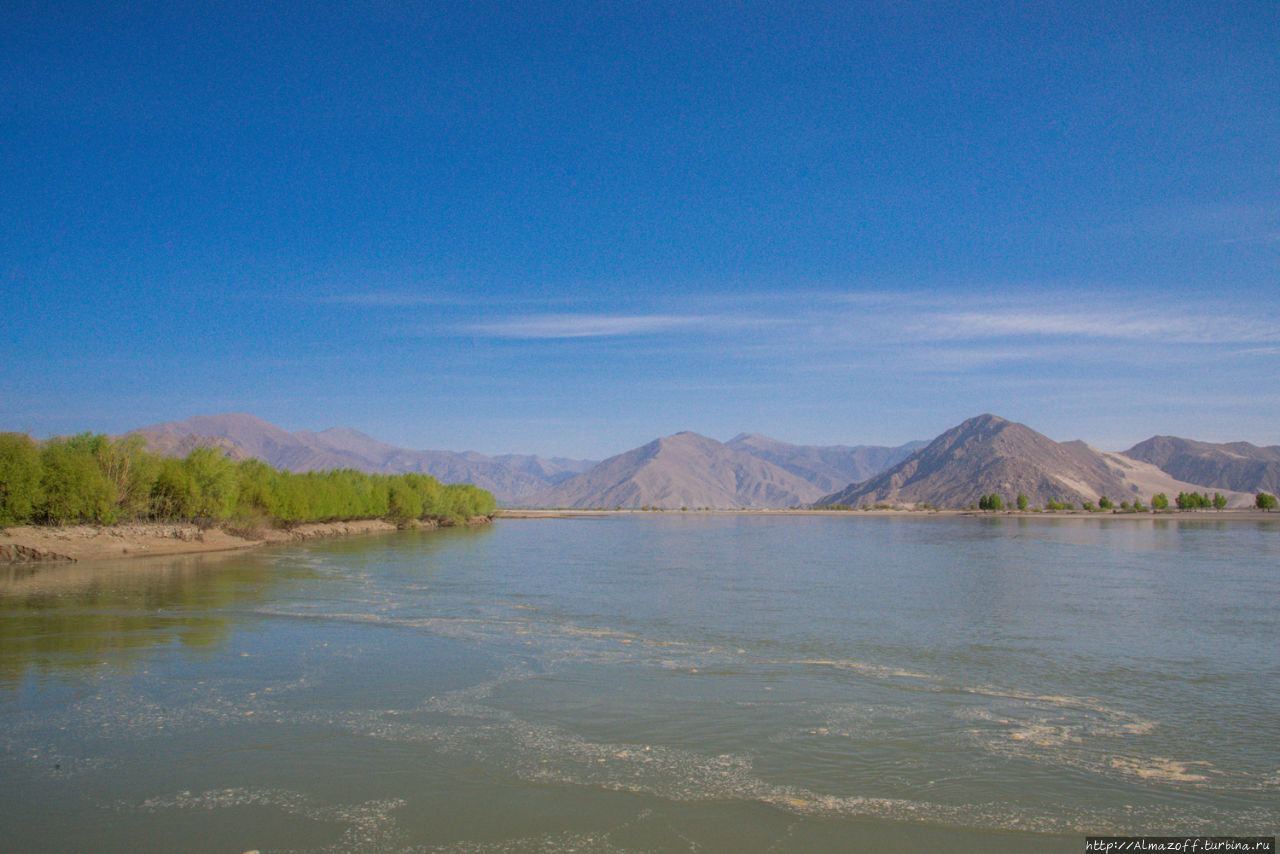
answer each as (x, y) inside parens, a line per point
(1159, 501)
(93, 478)
(1106, 503)
(1059, 505)
(1192, 501)
(1265, 501)
(991, 502)
(1219, 501)
(1022, 501)
(20, 476)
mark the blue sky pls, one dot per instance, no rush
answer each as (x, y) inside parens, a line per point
(571, 228)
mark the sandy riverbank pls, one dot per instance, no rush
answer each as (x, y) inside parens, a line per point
(73, 543)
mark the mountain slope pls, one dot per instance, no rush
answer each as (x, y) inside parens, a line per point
(510, 478)
(684, 470)
(1234, 465)
(1146, 480)
(828, 467)
(245, 436)
(989, 454)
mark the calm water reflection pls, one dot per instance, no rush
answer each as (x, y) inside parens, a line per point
(658, 683)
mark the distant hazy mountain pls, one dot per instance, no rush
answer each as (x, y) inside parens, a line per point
(510, 477)
(988, 454)
(828, 467)
(984, 455)
(1233, 465)
(684, 470)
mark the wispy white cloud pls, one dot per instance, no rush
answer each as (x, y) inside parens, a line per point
(1131, 326)
(1023, 323)
(584, 325)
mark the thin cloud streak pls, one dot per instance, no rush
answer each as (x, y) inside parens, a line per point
(1199, 330)
(583, 325)
(553, 326)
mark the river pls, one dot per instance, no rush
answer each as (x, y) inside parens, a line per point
(670, 682)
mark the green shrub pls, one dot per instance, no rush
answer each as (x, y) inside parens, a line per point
(21, 493)
(73, 485)
(92, 478)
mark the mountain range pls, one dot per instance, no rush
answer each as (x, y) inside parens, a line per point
(989, 454)
(980, 456)
(510, 477)
(1234, 465)
(828, 467)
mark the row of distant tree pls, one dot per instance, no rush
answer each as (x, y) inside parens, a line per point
(97, 479)
(1159, 501)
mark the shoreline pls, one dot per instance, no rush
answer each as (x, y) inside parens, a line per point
(1228, 515)
(31, 544)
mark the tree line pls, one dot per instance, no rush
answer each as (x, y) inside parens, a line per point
(96, 479)
(1159, 501)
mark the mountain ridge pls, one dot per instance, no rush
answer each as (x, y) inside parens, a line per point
(682, 470)
(989, 454)
(1240, 466)
(981, 455)
(509, 477)
(830, 467)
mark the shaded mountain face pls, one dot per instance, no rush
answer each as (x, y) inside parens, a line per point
(684, 470)
(510, 478)
(988, 454)
(1233, 465)
(828, 467)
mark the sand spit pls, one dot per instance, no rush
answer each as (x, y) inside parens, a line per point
(72, 543)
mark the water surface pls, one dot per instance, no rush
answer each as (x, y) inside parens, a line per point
(661, 682)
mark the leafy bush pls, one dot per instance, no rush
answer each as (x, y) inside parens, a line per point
(92, 478)
(20, 479)
(74, 486)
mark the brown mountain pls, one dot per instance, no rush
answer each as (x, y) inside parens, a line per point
(684, 470)
(510, 478)
(828, 467)
(988, 454)
(1231, 465)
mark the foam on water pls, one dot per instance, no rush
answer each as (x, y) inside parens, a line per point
(367, 826)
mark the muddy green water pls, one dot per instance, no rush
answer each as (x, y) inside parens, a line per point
(656, 683)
